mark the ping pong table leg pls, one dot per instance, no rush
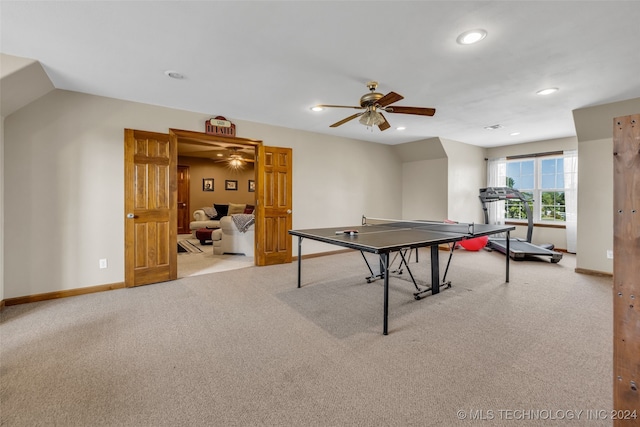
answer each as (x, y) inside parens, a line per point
(384, 260)
(435, 270)
(508, 255)
(299, 258)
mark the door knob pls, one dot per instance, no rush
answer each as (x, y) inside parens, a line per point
(130, 215)
(288, 211)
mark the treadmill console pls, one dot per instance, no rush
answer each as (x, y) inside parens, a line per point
(493, 194)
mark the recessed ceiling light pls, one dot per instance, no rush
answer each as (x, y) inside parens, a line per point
(400, 128)
(316, 108)
(472, 36)
(174, 74)
(514, 134)
(547, 91)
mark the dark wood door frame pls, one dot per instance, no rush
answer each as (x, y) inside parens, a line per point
(183, 198)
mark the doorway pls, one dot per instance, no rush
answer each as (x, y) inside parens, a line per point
(211, 179)
(222, 171)
(151, 202)
(273, 191)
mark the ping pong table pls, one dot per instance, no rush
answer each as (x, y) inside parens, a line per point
(384, 237)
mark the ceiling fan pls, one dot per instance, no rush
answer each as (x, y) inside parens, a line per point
(235, 159)
(374, 104)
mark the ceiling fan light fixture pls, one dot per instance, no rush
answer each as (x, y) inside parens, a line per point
(316, 108)
(371, 118)
(471, 36)
(373, 104)
(235, 162)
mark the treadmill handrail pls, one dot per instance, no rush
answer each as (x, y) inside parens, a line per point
(495, 194)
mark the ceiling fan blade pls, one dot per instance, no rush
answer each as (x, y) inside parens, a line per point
(343, 121)
(420, 111)
(340, 106)
(384, 125)
(389, 99)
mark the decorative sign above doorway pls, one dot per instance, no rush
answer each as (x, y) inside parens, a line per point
(220, 126)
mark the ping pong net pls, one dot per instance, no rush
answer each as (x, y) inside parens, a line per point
(467, 229)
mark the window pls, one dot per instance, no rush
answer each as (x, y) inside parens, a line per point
(541, 179)
(520, 175)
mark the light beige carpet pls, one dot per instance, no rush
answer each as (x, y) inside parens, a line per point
(247, 348)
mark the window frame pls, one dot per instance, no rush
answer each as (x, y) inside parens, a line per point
(536, 192)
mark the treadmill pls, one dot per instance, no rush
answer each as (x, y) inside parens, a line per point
(518, 249)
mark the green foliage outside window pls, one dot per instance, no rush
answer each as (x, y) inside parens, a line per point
(514, 209)
(552, 206)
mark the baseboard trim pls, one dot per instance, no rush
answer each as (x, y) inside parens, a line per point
(62, 294)
(593, 272)
(1, 305)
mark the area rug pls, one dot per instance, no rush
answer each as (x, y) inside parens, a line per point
(185, 246)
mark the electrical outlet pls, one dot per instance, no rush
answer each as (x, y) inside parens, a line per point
(103, 263)
(609, 254)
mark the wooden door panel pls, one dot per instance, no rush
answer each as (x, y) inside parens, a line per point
(152, 188)
(150, 206)
(277, 236)
(152, 244)
(274, 195)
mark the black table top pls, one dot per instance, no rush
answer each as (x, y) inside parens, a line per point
(381, 238)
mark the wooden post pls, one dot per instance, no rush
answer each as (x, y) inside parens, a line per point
(626, 271)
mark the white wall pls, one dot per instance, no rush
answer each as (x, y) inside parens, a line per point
(595, 195)
(466, 174)
(64, 191)
(594, 126)
(424, 179)
(441, 179)
(424, 190)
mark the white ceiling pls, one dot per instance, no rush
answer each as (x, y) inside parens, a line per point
(270, 61)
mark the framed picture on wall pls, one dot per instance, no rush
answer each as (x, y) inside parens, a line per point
(252, 186)
(231, 185)
(207, 184)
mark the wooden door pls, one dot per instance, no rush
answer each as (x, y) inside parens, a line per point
(274, 191)
(150, 208)
(184, 184)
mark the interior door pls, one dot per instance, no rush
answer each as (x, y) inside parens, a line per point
(150, 208)
(274, 191)
(183, 200)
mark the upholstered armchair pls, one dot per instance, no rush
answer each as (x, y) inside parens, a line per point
(235, 241)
